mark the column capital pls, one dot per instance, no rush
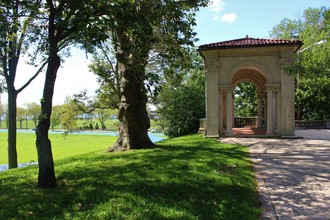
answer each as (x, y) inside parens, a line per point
(261, 95)
(273, 87)
(286, 61)
(225, 88)
(212, 63)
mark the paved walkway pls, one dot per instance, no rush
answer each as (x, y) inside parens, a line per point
(293, 174)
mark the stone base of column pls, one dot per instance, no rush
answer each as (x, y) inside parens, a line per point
(229, 134)
(212, 136)
(270, 134)
(289, 137)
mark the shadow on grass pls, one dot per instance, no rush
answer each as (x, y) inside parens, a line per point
(184, 178)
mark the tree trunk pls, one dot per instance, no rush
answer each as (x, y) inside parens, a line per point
(12, 152)
(10, 74)
(46, 176)
(134, 121)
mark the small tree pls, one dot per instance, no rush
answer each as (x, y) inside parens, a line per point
(68, 115)
(33, 110)
(55, 118)
(17, 36)
(21, 116)
(2, 113)
(66, 23)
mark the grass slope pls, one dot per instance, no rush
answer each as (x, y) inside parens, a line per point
(182, 178)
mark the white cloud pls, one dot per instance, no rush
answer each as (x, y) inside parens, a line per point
(216, 5)
(215, 18)
(229, 17)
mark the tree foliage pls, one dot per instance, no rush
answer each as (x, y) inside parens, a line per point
(181, 102)
(313, 66)
(246, 100)
(105, 66)
(314, 95)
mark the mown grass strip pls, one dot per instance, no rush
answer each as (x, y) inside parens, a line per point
(62, 146)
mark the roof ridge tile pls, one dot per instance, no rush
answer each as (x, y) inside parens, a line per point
(249, 41)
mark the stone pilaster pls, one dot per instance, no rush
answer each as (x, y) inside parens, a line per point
(212, 97)
(287, 99)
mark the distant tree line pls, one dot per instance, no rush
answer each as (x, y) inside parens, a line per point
(65, 117)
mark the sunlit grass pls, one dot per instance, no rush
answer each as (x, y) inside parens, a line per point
(62, 146)
(182, 178)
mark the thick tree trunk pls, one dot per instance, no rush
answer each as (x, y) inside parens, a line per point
(46, 176)
(134, 121)
(12, 152)
(133, 117)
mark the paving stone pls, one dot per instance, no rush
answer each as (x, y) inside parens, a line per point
(293, 175)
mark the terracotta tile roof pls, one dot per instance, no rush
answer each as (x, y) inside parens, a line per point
(249, 42)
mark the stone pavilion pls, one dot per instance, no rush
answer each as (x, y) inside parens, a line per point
(263, 62)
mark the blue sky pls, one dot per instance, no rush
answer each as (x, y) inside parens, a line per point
(222, 20)
(233, 19)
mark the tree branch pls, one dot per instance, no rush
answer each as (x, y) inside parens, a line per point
(33, 77)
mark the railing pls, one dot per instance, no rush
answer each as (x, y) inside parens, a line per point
(245, 121)
(311, 124)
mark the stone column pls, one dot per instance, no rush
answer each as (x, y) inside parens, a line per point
(270, 131)
(222, 110)
(233, 110)
(265, 109)
(229, 112)
(259, 110)
(275, 91)
(278, 111)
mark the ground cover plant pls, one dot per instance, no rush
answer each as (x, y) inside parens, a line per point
(181, 178)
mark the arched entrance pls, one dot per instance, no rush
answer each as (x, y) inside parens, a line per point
(261, 62)
(251, 118)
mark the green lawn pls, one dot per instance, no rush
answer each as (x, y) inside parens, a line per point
(62, 146)
(182, 178)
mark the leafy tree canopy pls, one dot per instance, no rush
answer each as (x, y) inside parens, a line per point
(313, 62)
